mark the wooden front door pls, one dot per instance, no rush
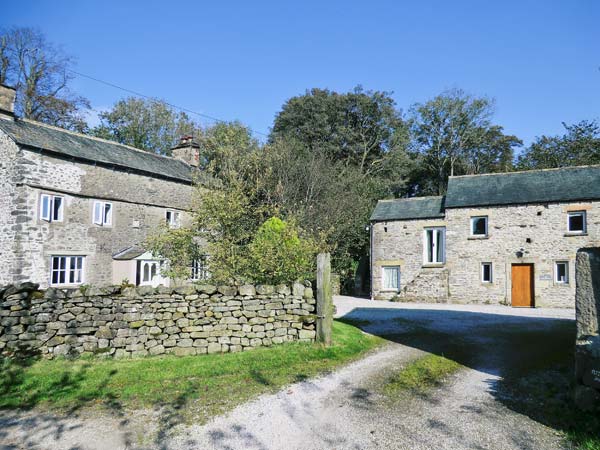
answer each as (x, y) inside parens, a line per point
(522, 285)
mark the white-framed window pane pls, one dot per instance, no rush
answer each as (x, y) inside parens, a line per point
(66, 270)
(576, 222)
(439, 246)
(57, 208)
(98, 213)
(169, 217)
(486, 272)
(45, 207)
(107, 218)
(199, 270)
(391, 278)
(562, 272)
(479, 226)
(434, 245)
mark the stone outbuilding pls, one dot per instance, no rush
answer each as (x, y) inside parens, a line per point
(75, 209)
(508, 238)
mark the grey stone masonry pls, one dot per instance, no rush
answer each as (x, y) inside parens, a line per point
(587, 306)
(125, 322)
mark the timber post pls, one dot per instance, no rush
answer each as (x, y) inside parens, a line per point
(324, 299)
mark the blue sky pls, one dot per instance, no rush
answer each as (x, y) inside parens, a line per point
(241, 60)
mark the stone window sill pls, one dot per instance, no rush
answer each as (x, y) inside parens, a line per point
(477, 238)
(394, 291)
(432, 265)
(575, 234)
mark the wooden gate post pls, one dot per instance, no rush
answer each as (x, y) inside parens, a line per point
(324, 299)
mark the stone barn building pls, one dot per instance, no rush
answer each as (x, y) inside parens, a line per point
(508, 238)
(76, 210)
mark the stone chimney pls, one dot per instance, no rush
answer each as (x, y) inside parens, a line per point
(188, 150)
(7, 102)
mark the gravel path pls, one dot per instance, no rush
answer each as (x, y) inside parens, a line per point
(345, 410)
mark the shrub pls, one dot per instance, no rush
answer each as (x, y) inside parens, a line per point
(279, 254)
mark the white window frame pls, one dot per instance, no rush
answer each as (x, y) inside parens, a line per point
(384, 270)
(198, 269)
(566, 279)
(577, 213)
(64, 266)
(173, 219)
(436, 243)
(100, 215)
(154, 276)
(52, 215)
(472, 232)
(483, 280)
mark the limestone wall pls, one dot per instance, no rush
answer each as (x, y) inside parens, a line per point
(540, 230)
(587, 349)
(400, 243)
(127, 322)
(10, 226)
(27, 242)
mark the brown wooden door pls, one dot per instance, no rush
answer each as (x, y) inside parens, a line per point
(522, 285)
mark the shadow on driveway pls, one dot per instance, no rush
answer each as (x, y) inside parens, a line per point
(533, 356)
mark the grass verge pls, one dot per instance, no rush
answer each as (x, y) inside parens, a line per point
(420, 375)
(208, 384)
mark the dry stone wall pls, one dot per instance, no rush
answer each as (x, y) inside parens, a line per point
(587, 348)
(129, 322)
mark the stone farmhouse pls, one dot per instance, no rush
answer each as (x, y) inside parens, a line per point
(508, 238)
(76, 210)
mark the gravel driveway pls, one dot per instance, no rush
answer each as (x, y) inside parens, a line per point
(345, 410)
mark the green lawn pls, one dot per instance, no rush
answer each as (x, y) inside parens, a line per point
(204, 385)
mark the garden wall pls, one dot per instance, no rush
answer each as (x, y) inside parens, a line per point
(587, 347)
(128, 322)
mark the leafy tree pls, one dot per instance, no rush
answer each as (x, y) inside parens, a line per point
(180, 246)
(150, 125)
(453, 135)
(328, 199)
(278, 254)
(580, 145)
(360, 128)
(40, 72)
(225, 148)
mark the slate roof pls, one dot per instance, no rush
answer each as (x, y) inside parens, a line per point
(409, 208)
(56, 140)
(129, 253)
(534, 186)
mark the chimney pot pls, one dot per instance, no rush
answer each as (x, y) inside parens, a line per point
(7, 101)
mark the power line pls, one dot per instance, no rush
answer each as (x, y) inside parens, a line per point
(139, 94)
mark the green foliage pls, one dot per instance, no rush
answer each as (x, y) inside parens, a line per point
(359, 128)
(279, 255)
(452, 134)
(214, 383)
(150, 125)
(179, 246)
(580, 145)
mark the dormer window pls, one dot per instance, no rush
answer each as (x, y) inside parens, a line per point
(173, 219)
(51, 208)
(479, 226)
(576, 222)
